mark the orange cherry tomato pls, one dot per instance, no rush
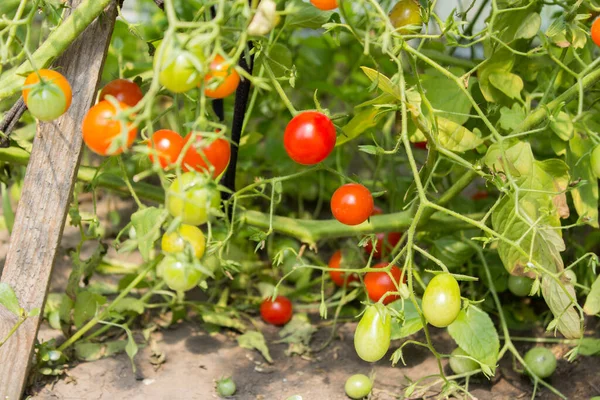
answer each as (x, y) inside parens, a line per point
(100, 129)
(325, 5)
(352, 204)
(339, 277)
(123, 90)
(51, 77)
(228, 79)
(49, 99)
(203, 154)
(595, 31)
(166, 146)
(379, 283)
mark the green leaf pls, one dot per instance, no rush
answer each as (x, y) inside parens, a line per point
(562, 125)
(131, 348)
(529, 27)
(451, 251)
(86, 305)
(585, 196)
(474, 332)
(255, 340)
(147, 223)
(561, 306)
(129, 304)
(592, 302)
(222, 319)
(8, 299)
(304, 15)
(589, 347)
(455, 137)
(445, 95)
(412, 320)
(361, 122)
(298, 334)
(511, 118)
(383, 82)
(87, 351)
(508, 83)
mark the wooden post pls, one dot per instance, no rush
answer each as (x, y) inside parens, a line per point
(45, 200)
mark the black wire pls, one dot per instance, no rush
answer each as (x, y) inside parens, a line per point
(217, 104)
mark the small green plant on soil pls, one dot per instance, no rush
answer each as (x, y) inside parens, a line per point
(379, 161)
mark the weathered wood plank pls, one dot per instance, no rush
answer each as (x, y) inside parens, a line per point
(45, 200)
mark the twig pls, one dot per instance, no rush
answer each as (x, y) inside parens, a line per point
(10, 121)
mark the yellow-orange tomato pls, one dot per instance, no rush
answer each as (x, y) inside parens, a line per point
(325, 5)
(227, 76)
(100, 129)
(49, 99)
(595, 31)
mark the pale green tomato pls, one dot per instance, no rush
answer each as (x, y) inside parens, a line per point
(461, 365)
(373, 333)
(178, 275)
(441, 300)
(358, 386)
(190, 197)
(520, 285)
(541, 361)
(178, 65)
(46, 102)
(174, 242)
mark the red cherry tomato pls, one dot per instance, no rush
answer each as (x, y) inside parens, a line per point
(166, 145)
(325, 5)
(480, 195)
(421, 145)
(227, 77)
(204, 153)
(277, 312)
(352, 204)
(100, 129)
(123, 90)
(595, 31)
(339, 277)
(309, 138)
(379, 283)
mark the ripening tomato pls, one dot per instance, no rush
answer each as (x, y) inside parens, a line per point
(325, 5)
(358, 386)
(441, 300)
(339, 277)
(406, 16)
(352, 204)
(190, 197)
(178, 275)
(123, 90)
(222, 80)
(48, 99)
(541, 361)
(277, 312)
(206, 154)
(595, 31)
(373, 333)
(520, 285)
(595, 157)
(420, 145)
(178, 66)
(380, 283)
(165, 145)
(175, 242)
(460, 365)
(309, 137)
(103, 133)
(480, 195)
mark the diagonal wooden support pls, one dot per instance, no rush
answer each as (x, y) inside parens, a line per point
(45, 200)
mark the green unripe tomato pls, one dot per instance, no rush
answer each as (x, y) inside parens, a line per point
(178, 275)
(595, 161)
(520, 285)
(226, 387)
(178, 66)
(46, 102)
(175, 242)
(358, 386)
(571, 276)
(406, 13)
(441, 300)
(541, 361)
(373, 333)
(461, 365)
(190, 197)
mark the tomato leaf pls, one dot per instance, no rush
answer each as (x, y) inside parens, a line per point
(147, 223)
(304, 15)
(529, 27)
(511, 118)
(455, 137)
(129, 304)
(451, 251)
(508, 83)
(87, 351)
(8, 299)
(592, 302)
(131, 348)
(361, 122)
(224, 320)
(86, 305)
(562, 126)
(298, 334)
(446, 97)
(558, 301)
(585, 196)
(474, 332)
(255, 340)
(383, 82)
(412, 320)
(589, 347)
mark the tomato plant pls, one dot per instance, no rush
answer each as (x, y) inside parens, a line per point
(309, 137)
(165, 146)
(186, 235)
(124, 91)
(222, 79)
(276, 312)
(358, 386)
(191, 197)
(441, 300)
(206, 154)
(378, 284)
(47, 94)
(340, 278)
(352, 204)
(104, 133)
(373, 333)
(541, 361)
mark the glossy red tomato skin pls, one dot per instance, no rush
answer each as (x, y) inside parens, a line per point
(100, 129)
(123, 90)
(379, 283)
(595, 31)
(217, 153)
(325, 5)
(339, 277)
(352, 204)
(278, 312)
(228, 77)
(420, 145)
(167, 145)
(309, 137)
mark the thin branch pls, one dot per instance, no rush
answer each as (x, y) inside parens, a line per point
(10, 121)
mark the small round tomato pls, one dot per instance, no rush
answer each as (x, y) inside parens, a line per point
(190, 197)
(595, 157)
(441, 300)
(373, 333)
(178, 275)
(206, 154)
(339, 277)
(541, 361)
(352, 204)
(178, 66)
(165, 146)
(222, 80)
(520, 285)
(226, 387)
(480, 195)
(570, 276)
(420, 145)
(406, 16)
(325, 5)
(380, 283)
(277, 312)
(309, 137)
(358, 386)
(49, 98)
(460, 365)
(103, 133)
(123, 90)
(175, 242)
(595, 31)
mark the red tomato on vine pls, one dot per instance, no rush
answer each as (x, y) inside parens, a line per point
(352, 204)
(480, 195)
(309, 137)
(420, 145)
(204, 154)
(228, 79)
(339, 277)
(100, 129)
(123, 90)
(325, 5)
(380, 283)
(165, 145)
(595, 31)
(277, 312)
